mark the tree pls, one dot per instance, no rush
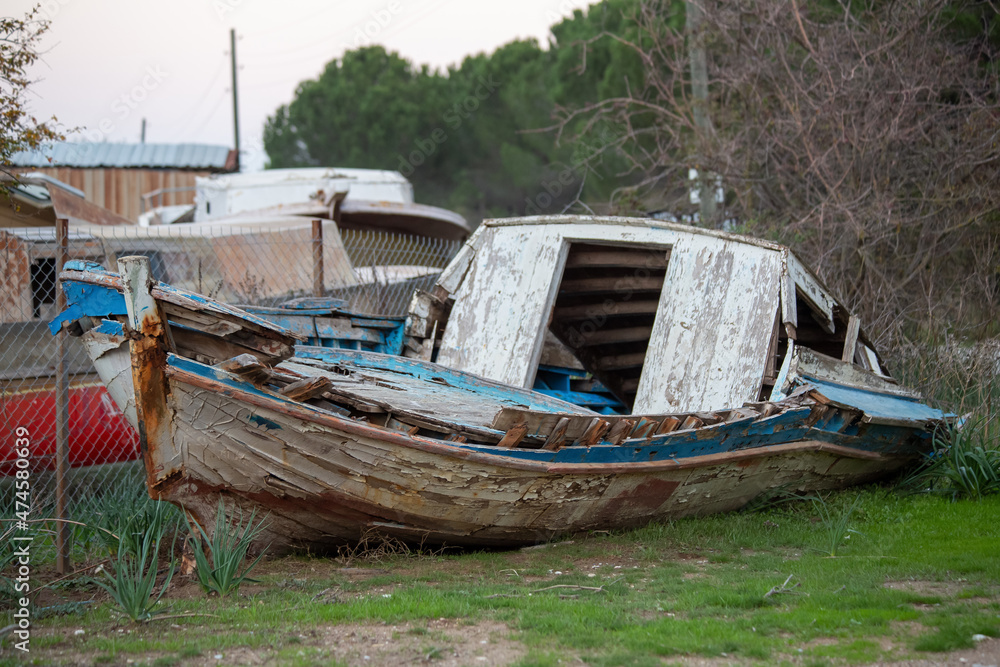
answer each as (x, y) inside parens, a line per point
(866, 134)
(19, 130)
(467, 137)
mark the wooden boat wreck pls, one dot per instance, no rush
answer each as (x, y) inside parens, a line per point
(741, 373)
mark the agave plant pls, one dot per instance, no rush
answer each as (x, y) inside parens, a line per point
(219, 558)
(965, 463)
(134, 565)
(127, 516)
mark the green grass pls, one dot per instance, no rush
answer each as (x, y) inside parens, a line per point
(920, 572)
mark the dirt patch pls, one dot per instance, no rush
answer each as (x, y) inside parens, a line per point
(985, 654)
(443, 643)
(942, 589)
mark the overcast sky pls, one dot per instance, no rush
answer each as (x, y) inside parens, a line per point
(107, 64)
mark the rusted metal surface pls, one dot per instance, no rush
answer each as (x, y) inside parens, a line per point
(147, 347)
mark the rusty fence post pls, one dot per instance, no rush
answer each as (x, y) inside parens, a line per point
(317, 248)
(63, 545)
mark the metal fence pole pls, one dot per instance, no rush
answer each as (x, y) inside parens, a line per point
(62, 411)
(317, 249)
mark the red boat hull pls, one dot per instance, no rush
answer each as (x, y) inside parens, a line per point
(98, 431)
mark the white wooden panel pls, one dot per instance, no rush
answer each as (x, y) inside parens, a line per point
(451, 277)
(502, 306)
(710, 340)
(812, 291)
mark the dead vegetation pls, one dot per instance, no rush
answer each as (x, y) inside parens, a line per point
(829, 130)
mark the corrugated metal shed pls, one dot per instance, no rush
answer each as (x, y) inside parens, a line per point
(129, 156)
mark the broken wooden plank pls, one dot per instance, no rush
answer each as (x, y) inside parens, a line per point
(306, 388)
(514, 436)
(644, 428)
(771, 365)
(668, 425)
(247, 367)
(851, 338)
(691, 422)
(619, 431)
(741, 413)
(557, 437)
(814, 364)
(595, 431)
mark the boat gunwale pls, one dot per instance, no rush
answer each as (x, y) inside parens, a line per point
(350, 427)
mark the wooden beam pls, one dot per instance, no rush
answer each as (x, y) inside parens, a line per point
(623, 285)
(668, 425)
(590, 310)
(630, 258)
(621, 361)
(612, 335)
(691, 422)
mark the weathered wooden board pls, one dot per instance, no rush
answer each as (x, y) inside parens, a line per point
(813, 364)
(709, 344)
(497, 325)
(808, 287)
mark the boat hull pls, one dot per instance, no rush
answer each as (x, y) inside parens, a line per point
(323, 481)
(98, 431)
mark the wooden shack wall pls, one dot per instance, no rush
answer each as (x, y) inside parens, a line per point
(15, 279)
(121, 190)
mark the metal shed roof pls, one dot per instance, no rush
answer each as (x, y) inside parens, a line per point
(150, 156)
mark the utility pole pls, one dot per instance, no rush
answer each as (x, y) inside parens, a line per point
(142, 136)
(236, 111)
(699, 92)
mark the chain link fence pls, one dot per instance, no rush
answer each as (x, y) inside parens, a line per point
(261, 264)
